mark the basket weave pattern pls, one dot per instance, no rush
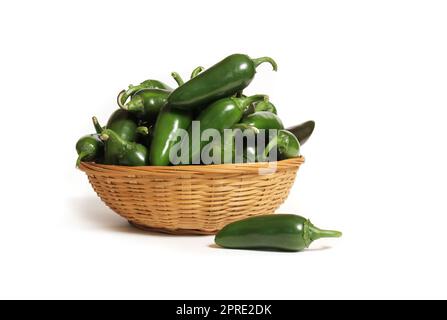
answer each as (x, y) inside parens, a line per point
(191, 199)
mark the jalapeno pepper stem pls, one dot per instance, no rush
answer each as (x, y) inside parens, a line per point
(247, 101)
(316, 233)
(135, 104)
(113, 137)
(196, 71)
(122, 98)
(108, 134)
(143, 130)
(261, 60)
(96, 124)
(177, 78)
(125, 94)
(81, 156)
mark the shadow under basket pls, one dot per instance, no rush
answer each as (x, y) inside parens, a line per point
(194, 199)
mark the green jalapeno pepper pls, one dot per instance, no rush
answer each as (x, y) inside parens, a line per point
(263, 120)
(89, 148)
(282, 232)
(147, 84)
(220, 115)
(140, 130)
(146, 103)
(123, 152)
(124, 124)
(265, 106)
(224, 79)
(165, 133)
(303, 131)
(166, 128)
(286, 143)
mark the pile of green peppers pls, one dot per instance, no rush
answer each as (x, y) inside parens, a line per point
(146, 126)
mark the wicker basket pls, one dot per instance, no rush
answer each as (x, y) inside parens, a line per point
(192, 199)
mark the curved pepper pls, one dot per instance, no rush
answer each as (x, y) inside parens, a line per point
(283, 232)
(147, 84)
(89, 148)
(165, 131)
(224, 79)
(123, 152)
(220, 115)
(303, 131)
(286, 143)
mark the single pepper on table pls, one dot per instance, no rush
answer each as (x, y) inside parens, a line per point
(282, 232)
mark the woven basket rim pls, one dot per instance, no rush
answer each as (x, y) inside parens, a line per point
(215, 168)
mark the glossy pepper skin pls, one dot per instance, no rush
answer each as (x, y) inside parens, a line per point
(122, 152)
(165, 131)
(169, 121)
(224, 79)
(263, 120)
(281, 232)
(220, 115)
(147, 84)
(124, 124)
(303, 131)
(90, 148)
(146, 103)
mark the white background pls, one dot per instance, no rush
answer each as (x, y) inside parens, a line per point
(372, 74)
